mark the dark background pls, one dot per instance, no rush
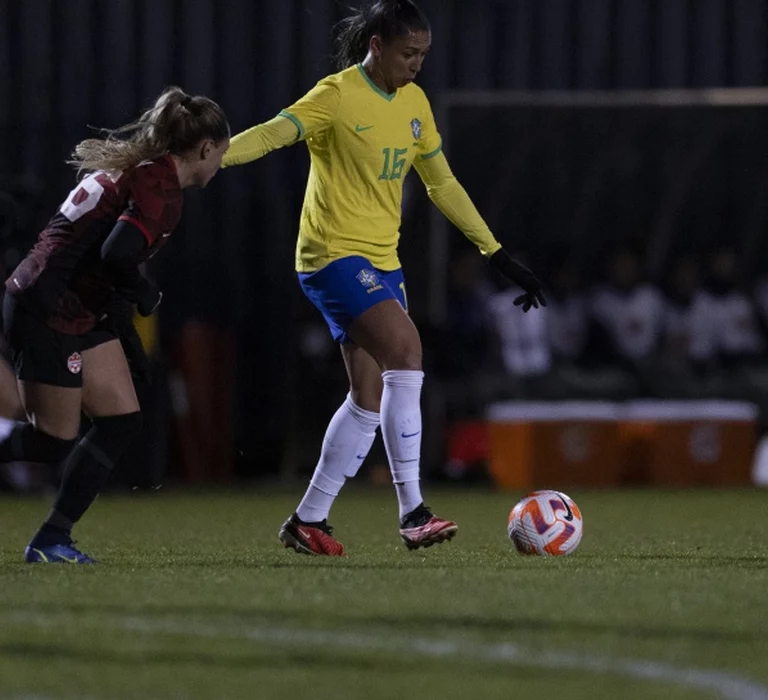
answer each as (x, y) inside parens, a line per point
(67, 64)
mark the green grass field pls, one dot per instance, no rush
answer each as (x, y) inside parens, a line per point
(667, 597)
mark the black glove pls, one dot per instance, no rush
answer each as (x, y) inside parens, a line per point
(521, 276)
(148, 297)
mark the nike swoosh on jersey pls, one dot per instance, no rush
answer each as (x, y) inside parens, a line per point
(409, 435)
(360, 129)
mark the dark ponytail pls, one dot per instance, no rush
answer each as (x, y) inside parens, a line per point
(388, 19)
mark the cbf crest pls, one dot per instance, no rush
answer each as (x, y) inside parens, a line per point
(369, 279)
(416, 128)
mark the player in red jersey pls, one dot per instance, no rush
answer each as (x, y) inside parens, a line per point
(64, 347)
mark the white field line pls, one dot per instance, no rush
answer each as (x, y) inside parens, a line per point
(718, 683)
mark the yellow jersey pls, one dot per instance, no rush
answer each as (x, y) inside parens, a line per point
(362, 143)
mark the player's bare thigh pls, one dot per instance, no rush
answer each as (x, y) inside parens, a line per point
(107, 385)
(386, 332)
(55, 410)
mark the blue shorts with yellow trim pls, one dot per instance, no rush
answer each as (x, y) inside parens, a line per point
(345, 288)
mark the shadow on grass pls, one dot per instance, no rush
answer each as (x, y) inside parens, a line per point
(285, 658)
(707, 559)
(218, 562)
(456, 560)
(417, 624)
(389, 562)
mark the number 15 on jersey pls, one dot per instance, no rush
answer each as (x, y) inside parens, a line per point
(393, 157)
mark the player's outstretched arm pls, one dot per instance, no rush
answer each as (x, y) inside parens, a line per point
(452, 199)
(259, 140)
(307, 117)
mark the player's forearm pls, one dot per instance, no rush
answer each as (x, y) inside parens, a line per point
(121, 253)
(452, 199)
(259, 140)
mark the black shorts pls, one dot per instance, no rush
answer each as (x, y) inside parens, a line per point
(41, 354)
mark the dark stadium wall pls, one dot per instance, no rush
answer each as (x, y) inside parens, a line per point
(68, 64)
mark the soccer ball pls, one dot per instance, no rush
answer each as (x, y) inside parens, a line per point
(547, 523)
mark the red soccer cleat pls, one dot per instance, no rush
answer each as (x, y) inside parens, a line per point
(422, 529)
(310, 538)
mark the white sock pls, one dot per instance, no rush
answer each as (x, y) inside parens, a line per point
(347, 442)
(401, 429)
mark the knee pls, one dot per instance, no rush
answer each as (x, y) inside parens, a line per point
(126, 423)
(31, 444)
(117, 430)
(367, 398)
(403, 354)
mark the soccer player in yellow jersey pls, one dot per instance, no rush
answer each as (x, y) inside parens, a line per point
(365, 128)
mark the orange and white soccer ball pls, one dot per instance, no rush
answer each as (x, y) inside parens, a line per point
(547, 523)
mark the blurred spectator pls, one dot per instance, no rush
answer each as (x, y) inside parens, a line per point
(580, 367)
(680, 292)
(725, 330)
(498, 352)
(628, 310)
(575, 374)
(676, 376)
(567, 315)
(727, 343)
(464, 341)
(459, 356)
(522, 341)
(459, 352)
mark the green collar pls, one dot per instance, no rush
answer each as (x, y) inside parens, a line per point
(373, 85)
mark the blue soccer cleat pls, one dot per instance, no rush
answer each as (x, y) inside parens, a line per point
(56, 554)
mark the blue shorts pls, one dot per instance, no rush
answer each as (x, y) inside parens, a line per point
(345, 288)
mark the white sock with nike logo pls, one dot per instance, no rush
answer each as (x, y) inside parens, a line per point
(346, 444)
(401, 429)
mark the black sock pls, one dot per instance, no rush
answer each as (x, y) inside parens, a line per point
(90, 464)
(86, 472)
(49, 535)
(27, 444)
(84, 477)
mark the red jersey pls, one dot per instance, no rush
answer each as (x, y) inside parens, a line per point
(63, 278)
